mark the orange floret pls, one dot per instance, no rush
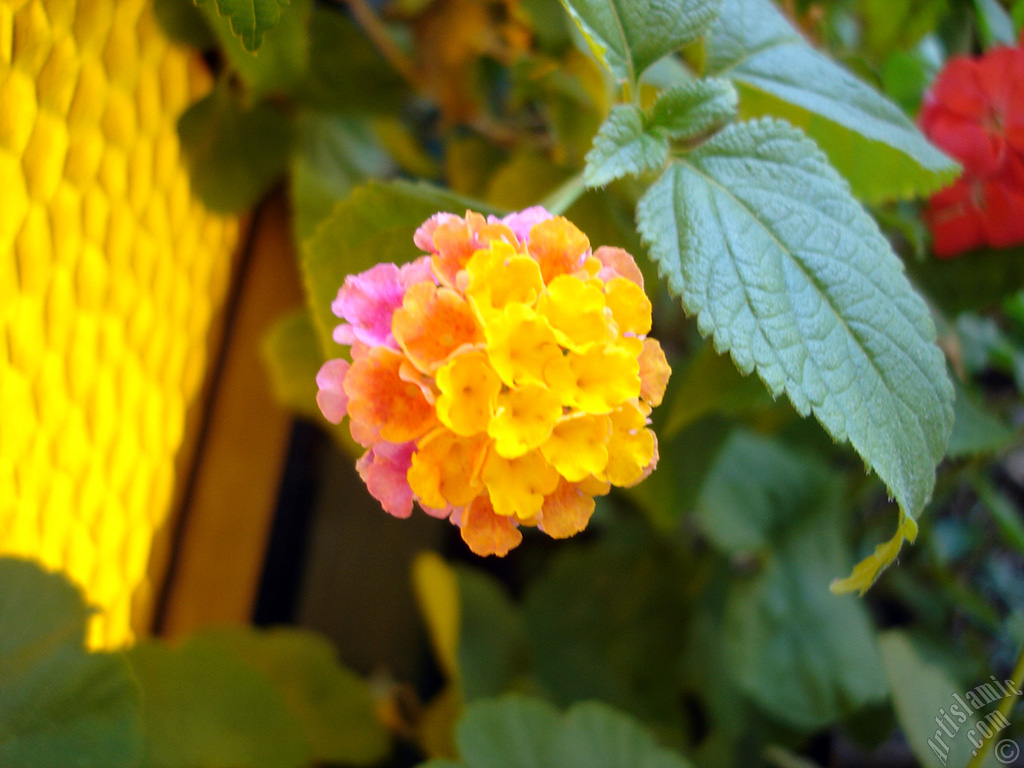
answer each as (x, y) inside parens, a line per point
(456, 240)
(559, 247)
(380, 401)
(432, 323)
(567, 511)
(488, 533)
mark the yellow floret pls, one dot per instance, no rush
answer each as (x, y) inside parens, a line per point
(518, 486)
(524, 419)
(521, 345)
(598, 379)
(499, 276)
(631, 448)
(469, 393)
(576, 311)
(578, 446)
(629, 305)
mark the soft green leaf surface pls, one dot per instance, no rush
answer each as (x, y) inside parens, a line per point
(868, 138)
(803, 655)
(894, 25)
(233, 154)
(975, 430)
(283, 57)
(332, 705)
(250, 19)
(710, 384)
(333, 154)
(694, 108)
(492, 650)
(760, 238)
(973, 281)
(510, 732)
(293, 356)
(520, 732)
(995, 26)
(686, 456)
(628, 36)
(346, 73)
(60, 705)
(921, 686)
(754, 488)
(205, 708)
(600, 602)
(374, 224)
(622, 147)
(183, 23)
(593, 735)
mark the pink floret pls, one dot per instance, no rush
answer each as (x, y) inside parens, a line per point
(330, 396)
(424, 237)
(521, 222)
(383, 468)
(368, 302)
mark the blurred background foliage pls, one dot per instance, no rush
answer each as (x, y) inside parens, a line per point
(691, 624)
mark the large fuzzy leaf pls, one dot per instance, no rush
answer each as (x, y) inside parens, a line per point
(630, 35)
(867, 137)
(760, 238)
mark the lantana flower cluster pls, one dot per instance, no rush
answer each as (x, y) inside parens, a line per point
(503, 379)
(975, 112)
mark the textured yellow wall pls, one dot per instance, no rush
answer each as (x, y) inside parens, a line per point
(110, 272)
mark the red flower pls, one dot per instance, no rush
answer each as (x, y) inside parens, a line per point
(975, 111)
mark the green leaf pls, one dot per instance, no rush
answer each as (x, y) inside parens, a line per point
(333, 154)
(600, 602)
(921, 687)
(331, 704)
(342, 62)
(628, 36)
(995, 26)
(694, 109)
(594, 735)
(868, 138)
(59, 704)
(291, 351)
(510, 732)
(233, 154)
(760, 238)
(520, 732)
(710, 384)
(754, 488)
(974, 281)
(250, 19)
(183, 23)
(804, 656)
(283, 57)
(1017, 13)
(376, 223)
(492, 649)
(975, 430)
(622, 147)
(893, 25)
(204, 708)
(686, 456)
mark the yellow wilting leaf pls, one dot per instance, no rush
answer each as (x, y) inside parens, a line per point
(867, 571)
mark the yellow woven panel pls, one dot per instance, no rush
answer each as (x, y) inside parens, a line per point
(110, 272)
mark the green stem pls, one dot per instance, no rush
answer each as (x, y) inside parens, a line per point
(559, 201)
(1004, 709)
